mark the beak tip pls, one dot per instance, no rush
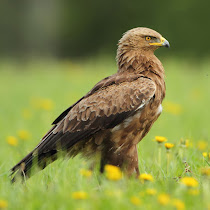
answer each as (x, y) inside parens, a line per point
(166, 44)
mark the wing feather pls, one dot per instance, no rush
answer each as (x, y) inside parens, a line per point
(103, 109)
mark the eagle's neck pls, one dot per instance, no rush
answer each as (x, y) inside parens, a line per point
(138, 62)
(143, 64)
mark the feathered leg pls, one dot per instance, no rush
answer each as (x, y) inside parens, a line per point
(126, 159)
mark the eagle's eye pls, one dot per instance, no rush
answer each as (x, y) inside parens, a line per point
(148, 38)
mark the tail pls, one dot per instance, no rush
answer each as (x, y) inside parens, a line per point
(29, 164)
(46, 151)
(36, 159)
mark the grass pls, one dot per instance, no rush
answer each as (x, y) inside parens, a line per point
(33, 94)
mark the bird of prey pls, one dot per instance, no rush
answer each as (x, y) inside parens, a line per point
(111, 119)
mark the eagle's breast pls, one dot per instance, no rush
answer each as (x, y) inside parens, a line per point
(135, 127)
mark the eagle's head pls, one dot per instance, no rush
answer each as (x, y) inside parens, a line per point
(143, 39)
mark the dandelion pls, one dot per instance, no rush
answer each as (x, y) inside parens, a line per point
(163, 199)
(86, 173)
(151, 191)
(205, 154)
(146, 177)
(185, 143)
(23, 134)
(46, 104)
(173, 108)
(202, 145)
(178, 204)
(80, 195)
(113, 172)
(160, 139)
(40, 103)
(3, 204)
(168, 146)
(205, 171)
(11, 140)
(188, 143)
(189, 181)
(135, 200)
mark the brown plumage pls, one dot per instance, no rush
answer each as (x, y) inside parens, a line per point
(111, 119)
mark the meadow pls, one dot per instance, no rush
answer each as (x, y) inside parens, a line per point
(33, 94)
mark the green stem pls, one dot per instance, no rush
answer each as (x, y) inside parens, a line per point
(181, 151)
(168, 161)
(159, 155)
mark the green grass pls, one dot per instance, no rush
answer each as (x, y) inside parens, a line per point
(63, 83)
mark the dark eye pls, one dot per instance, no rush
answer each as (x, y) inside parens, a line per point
(148, 38)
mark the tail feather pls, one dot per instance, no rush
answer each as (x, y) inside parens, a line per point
(32, 161)
(46, 151)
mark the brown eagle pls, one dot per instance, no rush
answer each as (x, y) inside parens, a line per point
(111, 119)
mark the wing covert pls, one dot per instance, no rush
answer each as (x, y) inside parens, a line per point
(104, 109)
(104, 106)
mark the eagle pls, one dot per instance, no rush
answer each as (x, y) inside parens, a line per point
(108, 122)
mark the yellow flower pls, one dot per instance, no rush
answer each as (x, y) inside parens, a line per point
(146, 177)
(202, 145)
(151, 191)
(170, 107)
(173, 108)
(169, 145)
(135, 200)
(40, 103)
(205, 171)
(113, 172)
(23, 134)
(3, 204)
(205, 154)
(86, 173)
(163, 199)
(178, 204)
(80, 195)
(185, 143)
(188, 143)
(160, 139)
(46, 104)
(11, 140)
(189, 181)
(193, 192)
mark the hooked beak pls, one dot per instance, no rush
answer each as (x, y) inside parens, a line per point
(163, 43)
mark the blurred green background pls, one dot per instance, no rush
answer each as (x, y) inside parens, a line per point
(68, 28)
(52, 52)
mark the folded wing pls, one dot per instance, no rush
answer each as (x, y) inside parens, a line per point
(107, 105)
